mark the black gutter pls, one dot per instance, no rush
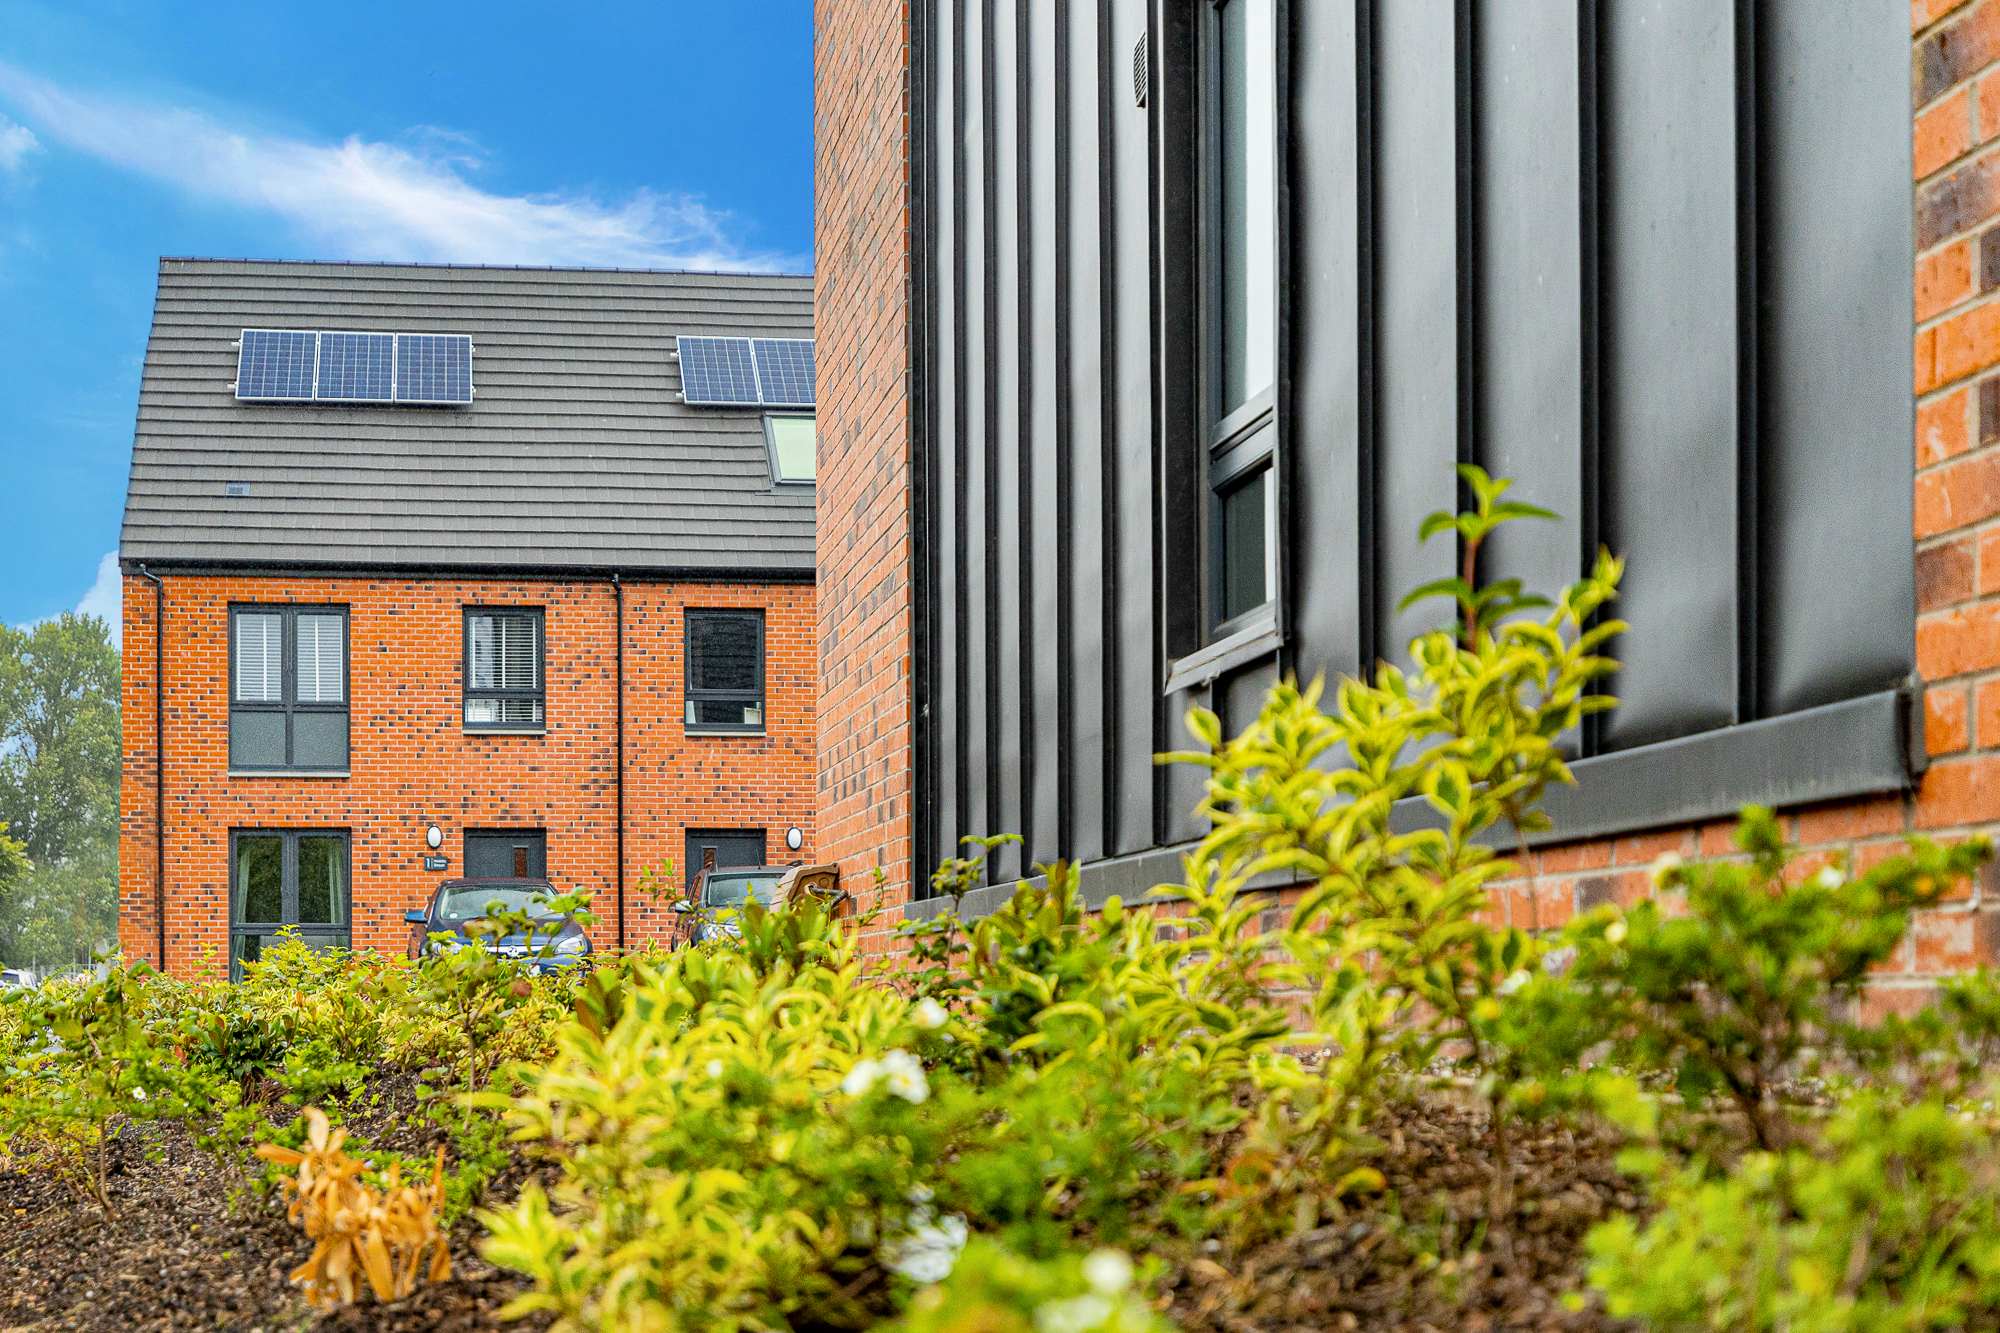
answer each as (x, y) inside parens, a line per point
(618, 656)
(159, 762)
(542, 573)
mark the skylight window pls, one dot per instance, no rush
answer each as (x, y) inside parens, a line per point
(794, 445)
(304, 366)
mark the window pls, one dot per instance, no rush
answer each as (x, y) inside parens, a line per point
(1240, 323)
(288, 693)
(794, 446)
(283, 879)
(725, 671)
(503, 669)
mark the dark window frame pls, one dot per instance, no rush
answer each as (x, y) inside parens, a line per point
(288, 702)
(289, 880)
(468, 692)
(691, 696)
(779, 481)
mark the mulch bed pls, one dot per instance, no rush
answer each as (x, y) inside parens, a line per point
(173, 1259)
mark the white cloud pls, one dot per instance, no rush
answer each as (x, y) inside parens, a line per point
(363, 200)
(107, 598)
(16, 142)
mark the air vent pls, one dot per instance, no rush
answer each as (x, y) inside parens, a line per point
(235, 489)
(1139, 71)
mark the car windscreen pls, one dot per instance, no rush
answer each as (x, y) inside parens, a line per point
(722, 889)
(467, 902)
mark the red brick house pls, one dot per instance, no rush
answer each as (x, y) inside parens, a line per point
(1153, 327)
(523, 556)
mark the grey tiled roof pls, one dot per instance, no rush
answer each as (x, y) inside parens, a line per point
(576, 453)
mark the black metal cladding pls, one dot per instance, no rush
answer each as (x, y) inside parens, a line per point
(1652, 262)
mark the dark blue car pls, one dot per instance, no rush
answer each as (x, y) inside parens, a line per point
(557, 941)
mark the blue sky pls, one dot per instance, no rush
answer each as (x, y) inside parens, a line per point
(662, 135)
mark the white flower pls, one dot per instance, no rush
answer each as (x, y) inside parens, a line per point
(1829, 878)
(139, 1093)
(860, 1078)
(928, 1253)
(715, 1069)
(1107, 1271)
(920, 1195)
(1615, 932)
(929, 1013)
(903, 1075)
(1668, 861)
(1515, 980)
(1078, 1314)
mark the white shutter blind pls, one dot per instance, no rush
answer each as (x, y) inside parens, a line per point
(503, 653)
(260, 658)
(320, 660)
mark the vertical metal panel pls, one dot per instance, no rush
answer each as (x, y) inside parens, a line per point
(1323, 123)
(1838, 599)
(1089, 390)
(1529, 276)
(1139, 677)
(1416, 303)
(982, 417)
(1007, 443)
(1041, 664)
(942, 178)
(1668, 215)
(959, 478)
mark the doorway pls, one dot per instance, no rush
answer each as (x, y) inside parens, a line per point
(506, 854)
(720, 849)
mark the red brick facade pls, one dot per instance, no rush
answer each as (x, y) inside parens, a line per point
(861, 317)
(412, 763)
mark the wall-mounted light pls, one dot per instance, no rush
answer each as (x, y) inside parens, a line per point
(434, 837)
(793, 838)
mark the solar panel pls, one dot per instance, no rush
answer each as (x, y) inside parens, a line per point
(275, 365)
(356, 367)
(718, 372)
(785, 371)
(433, 368)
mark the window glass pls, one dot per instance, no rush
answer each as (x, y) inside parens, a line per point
(260, 879)
(794, 448)
(260, 658)
(323, 881)
(1243, 549)
(725, 669)
(321, 649)
(1247, 262)
(288, 704)
(503, 671)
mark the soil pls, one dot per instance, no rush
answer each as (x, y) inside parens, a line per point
(172, 1258)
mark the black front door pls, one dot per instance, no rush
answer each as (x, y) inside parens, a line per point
(506, 854)
(715, 849)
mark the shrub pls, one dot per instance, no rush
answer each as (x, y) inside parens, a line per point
(992, 1290)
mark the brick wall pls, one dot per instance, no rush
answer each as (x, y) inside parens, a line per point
(861, 319)
(412, 764)
(1955, 89)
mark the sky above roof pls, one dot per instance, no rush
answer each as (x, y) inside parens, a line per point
(665, 134)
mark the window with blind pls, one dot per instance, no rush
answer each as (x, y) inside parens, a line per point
(503, 668)
(288, 689)
(286, 879)
(725, 671)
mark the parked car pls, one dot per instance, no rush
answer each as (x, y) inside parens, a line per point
(14, 978)
(460, 902)
(710, 910)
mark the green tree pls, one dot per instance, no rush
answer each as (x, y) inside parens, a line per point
(60, 756)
